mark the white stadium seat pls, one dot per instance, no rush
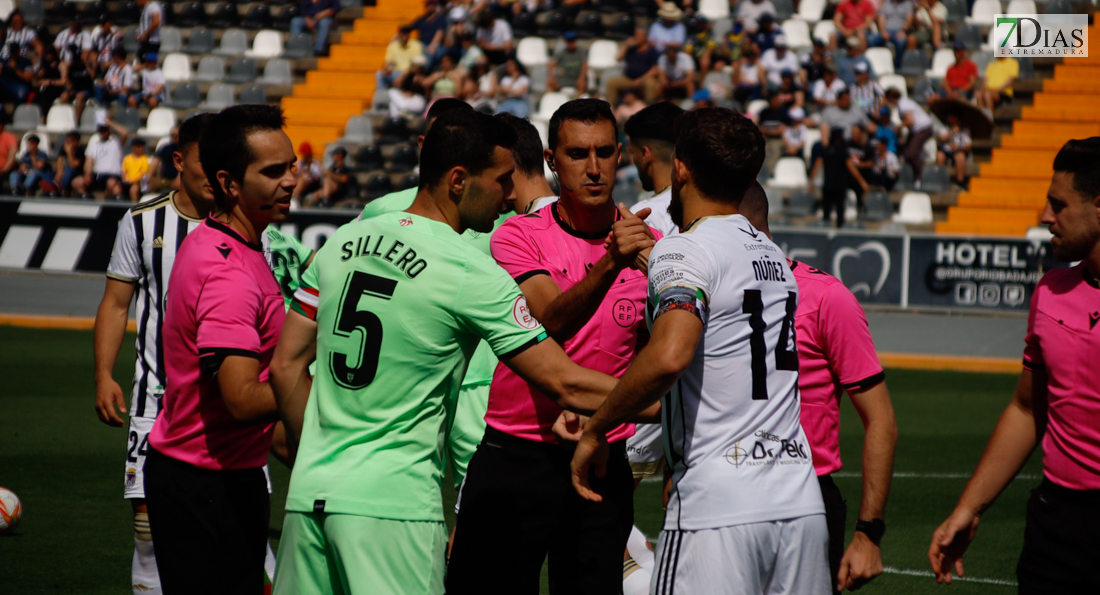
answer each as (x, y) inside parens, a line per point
(160, 122)
(811, 10)
(267, 44)
(602, 54)
(60, 119)
(893, 81)
(790, 172)
(915, 209)
(982, 12)
(882, 61)
(823, 30)
(811, 136)
(532, 51)
(177, 68)
(714, 9)
(797, 33)
(1021, 7)
(943, 59)
(43, 143)
(550, 103)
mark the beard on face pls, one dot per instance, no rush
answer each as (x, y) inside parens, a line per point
(1073, 249)
(675, 205)
(476, 211)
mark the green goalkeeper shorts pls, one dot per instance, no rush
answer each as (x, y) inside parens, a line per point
(342, 553)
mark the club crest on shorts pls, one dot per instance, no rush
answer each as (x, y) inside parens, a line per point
(131, 477)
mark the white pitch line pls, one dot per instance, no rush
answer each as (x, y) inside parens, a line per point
(967, 579)
(908, 475)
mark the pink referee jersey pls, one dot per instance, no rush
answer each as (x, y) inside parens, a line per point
(1063, 336)
(541, 243)
(835, 353)
(224, 301)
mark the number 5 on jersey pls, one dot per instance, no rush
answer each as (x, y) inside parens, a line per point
(351, 319)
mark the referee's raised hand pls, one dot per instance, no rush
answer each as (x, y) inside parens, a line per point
(591, 450)
(629, 236)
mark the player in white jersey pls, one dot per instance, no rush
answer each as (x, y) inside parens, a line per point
(745, 513)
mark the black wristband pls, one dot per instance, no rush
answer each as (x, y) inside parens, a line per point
(874, 529)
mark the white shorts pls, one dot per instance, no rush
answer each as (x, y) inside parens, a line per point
(137, 444)
(771, 558)
(645, 450)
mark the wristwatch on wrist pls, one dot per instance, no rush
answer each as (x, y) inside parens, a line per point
(874, 529)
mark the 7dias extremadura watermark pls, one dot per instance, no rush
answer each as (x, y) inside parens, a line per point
(1057, 35)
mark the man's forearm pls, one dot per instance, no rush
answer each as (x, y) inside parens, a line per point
(647, 380)
(291, 384)
(571, 310)
(110, 328)
(880, 440)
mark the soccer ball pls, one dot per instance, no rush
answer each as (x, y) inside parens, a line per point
(11, 510)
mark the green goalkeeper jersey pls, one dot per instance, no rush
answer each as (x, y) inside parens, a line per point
(401, 302)
(287, 258)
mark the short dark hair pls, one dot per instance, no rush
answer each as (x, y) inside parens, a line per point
(190, 131)
(1082, 159)
(462, 138)
(137, 142)
(893, 93)
(442, 106)
(33, 138)
(722, 149)
(528, 149)
(655, 127)
(588, 111)
(224, 144)
(754, 206)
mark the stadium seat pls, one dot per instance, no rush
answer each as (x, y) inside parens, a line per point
(549, 104)
(801, 204)
(185, 96)
(234, 43)
(243, 70)
(714, 9)
(925, 88)
(881, 59)
(378, 185)
(981, 60)
(219, 97)
(784, 9)
(602, 54)
(277, 72)
(588, 25)
(27, 116)
(797, 33)
(971, 35)
(941, 61)
(258, 17)
(982, 11)
(129, 40)
(177, 68)
(128, 13)
(1058, 7)
(720, 27)
(225, 16)
(254, 94)
(211, 68)
(553, 26)
(935, 179)
(404, 158)
(621, 28)
(790, 172)
(267, 44)
(811, 137)
(170, 40)
(127, 117)
(537, 74)
(913, 63)
(408, 181)
(297, 47)
(823, 30)
(201, 41)
(811, 10)
(523, 25)
(282, 21)
(61, 13)
(395, 130)
(956, 10)
(877, 206)
(60, 119)
(380, 102)
(164, 140)
(905, 178)
(531, 51)
(755, 107)
(358, 131)
(605, 6)
(893, 81)
(368, 158)
(1021, 7)
(43, 142)
(915, 209)
(160, 122)
(191, 15)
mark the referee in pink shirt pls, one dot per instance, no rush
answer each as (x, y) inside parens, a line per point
(204, 482)
(1057, 404)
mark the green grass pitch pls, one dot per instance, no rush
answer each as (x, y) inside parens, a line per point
(76, 536)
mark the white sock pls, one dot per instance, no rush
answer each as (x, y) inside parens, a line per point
(143, 574)
(269, 564)
(635, 578)
(638, 546)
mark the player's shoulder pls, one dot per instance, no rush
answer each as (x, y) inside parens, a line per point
(538, 220)
(1061, 278)
(159, 202)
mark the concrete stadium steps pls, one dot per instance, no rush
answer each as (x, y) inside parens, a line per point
(356, 65)
(317, 136)
(321, 112)
(981, 228)
(1074, 114)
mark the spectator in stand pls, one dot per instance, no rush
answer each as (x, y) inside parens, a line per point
(884, 130)
(773, 120)
(854, 18)
(494, 36)
(308, 174)
(765, 35)
(790, 93)
(700, 46)
(481, 86)
(827, 88)
(886, 168)
(163, 166)
(794, 135)
(105, 43)
(399, 56)
(16, 77)
(432, 29)
(631, 104)
(470, 52)
(749, 77)
(24, 38)
(568, 66)
(513, 89)
(640, 71)
(154, 89)
(777, 60)
(847, 60)
(999, 76)
(148, 35)
(930, 23)
(962, 77)
(954, 146)
(70, 166)
(317, 17)
(843, 115)
(668, 28)
(338, 183)
(895, 21)
(135, 171)
(50, 80)
(867, 94)
(728, 49)
(447, 80)
(116, 81)
(749, 13)
(9, 146)
(701, 99)
(919, 124)
(862, 155)
(407, 99)
(34, 165)
(838, 172)
(813, 64)
(103, 160)
(675, 74)
(74, 47)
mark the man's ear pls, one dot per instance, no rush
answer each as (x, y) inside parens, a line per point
(679, 171)
(177, 160)
(456, 180)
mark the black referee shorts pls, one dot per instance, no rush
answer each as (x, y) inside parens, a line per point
(209, 527)
(1061, 542)
(836, 518)
(518, 508)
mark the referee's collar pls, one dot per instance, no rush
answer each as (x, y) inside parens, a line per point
(229, 231)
